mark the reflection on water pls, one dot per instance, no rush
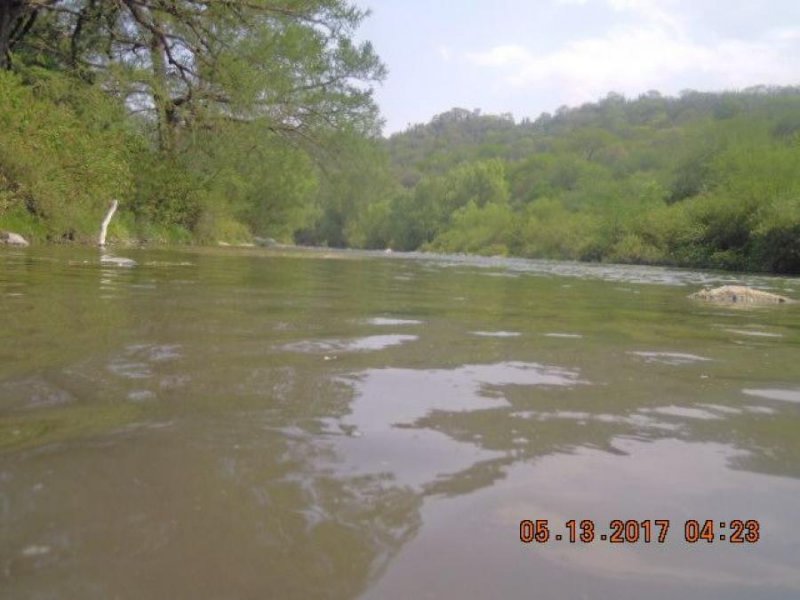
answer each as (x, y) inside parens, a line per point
(754, 333)
(668, 479)
(567, 336)
(688, 412)
(782, 395)
(390, 402)
(372, 342)
(497, 334)
(670, 358)
(284, 424)
(386, 321)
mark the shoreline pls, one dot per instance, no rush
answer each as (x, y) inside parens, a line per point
(345, 254)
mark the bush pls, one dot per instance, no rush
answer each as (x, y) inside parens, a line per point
(776, 240)
(58, 163)
(490, 229)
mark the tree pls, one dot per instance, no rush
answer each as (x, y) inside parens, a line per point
(16, 16)
(58, 166)
(192, 63)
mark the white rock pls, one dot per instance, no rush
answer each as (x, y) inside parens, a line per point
(12, 239)
(739, 294)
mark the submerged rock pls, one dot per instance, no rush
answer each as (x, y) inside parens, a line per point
(10, 238)
(117, 261)
(739, 294)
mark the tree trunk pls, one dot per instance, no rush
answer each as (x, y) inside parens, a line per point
(104, 225)
(161, 96)
(12, 13)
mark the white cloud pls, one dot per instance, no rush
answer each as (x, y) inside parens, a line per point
(656, 11)
(653, 55)
(785, 34)
(501, 56)
(445, 53)
(664, 12)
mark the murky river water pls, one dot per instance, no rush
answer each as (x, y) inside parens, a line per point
(253, 424)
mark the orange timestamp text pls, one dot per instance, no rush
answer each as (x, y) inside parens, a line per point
(633, 531)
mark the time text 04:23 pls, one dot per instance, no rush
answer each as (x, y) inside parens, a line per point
(736, 531)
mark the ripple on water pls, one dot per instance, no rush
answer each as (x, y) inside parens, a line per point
(137, 359)
(625, 274)
(760, 410)
(387, 321)
(166, 263)
(775, 394)
(636, 420)
(685, 412)
(34, 392)
(36, 550)
(670, 358)
(754, 333)
(720, 408)
(158, 352)
(369, 343)
(496, 334)
(129, 369)
(566, 336)
(117, 261)
(141, 396)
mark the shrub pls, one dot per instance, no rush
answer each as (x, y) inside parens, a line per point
(60, 162)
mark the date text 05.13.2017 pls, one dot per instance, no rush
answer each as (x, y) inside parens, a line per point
(736, 531)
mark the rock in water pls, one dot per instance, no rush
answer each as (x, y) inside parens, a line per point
(739, 294)
(10, 238)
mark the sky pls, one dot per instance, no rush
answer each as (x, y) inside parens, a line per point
(527, 57)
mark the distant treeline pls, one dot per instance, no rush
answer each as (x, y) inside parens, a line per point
(701, 180)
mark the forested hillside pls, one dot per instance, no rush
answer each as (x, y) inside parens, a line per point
(709, 180)
(208, 120)
(224, 121)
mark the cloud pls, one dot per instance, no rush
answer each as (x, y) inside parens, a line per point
(445, 53)
(501, 56)
(664, 12)
(651, 55)
(785, 34)
(655, 11)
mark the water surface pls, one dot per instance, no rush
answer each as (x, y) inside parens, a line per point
(306, 424)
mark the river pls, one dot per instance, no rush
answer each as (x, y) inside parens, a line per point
(252, 423)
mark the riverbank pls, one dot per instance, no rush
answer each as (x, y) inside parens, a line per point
(654, 273)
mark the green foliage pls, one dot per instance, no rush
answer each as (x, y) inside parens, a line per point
(373, 227)
(60, 161)
(166, 192)
(776, 238)
(487, 229)
(245, 173)
(705, 180)
(257, 119)
(353, 181)
(211, 122)
(549, 230)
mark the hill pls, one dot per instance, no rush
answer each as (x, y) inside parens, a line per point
(703, 180)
